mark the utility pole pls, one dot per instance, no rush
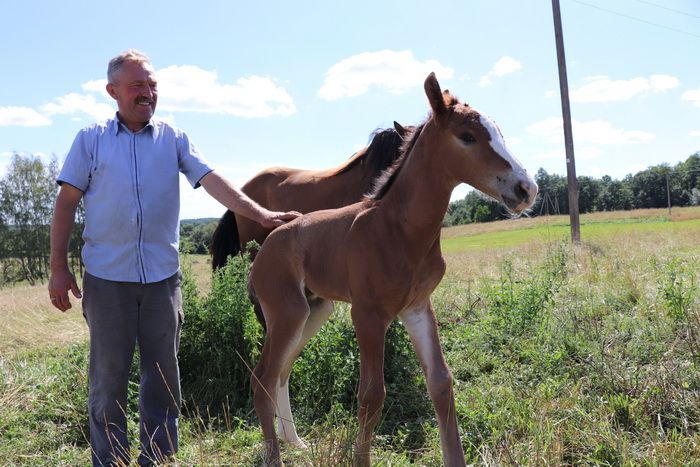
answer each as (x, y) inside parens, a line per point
(568, 134)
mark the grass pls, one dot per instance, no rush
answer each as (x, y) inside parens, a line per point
(561, 355)
(595, 226)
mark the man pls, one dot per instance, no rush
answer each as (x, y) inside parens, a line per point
(127, 171)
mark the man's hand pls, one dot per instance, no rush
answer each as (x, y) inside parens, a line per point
(60, 282)
(274, 219)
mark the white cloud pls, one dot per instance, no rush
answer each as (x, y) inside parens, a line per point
(603, 89)
(694, 133)
(592, 132)
(97, 86)
(169, 119)
(692, 96)
(584, 153)
(181, 89)
(550, 155)
(588, 152)
(504, 66)
(22, 116)
(74, 103)
(395, 72)
(189, 88)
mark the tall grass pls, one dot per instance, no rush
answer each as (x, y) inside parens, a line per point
(561, 355)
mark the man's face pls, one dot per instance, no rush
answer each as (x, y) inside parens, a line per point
(136, 92)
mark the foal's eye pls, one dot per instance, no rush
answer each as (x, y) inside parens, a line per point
(467, 138)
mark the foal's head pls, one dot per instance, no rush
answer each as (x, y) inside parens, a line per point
(475, 152)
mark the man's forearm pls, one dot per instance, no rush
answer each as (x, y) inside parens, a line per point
(62, 225)
(234, 199)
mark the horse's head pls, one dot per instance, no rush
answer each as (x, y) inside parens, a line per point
(474, 151)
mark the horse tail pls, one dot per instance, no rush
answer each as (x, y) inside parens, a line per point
(256, 305)
(225, 241)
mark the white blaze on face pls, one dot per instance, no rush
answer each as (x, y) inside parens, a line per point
(498, 144)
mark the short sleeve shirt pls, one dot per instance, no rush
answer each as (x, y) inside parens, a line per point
(131, 195)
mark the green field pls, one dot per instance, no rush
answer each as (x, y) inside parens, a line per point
(561, 354)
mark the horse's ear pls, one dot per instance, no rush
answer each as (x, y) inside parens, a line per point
(400, 129)
(435, 96)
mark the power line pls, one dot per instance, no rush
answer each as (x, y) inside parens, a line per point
(637, 19)
(669, 9)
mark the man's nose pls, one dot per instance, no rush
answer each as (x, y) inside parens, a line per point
(146, 91)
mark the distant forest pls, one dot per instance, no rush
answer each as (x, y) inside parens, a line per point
(28, 190)
(650, 188)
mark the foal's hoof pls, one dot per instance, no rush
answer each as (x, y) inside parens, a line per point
(297, 443)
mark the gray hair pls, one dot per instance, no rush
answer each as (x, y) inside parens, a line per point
(131, 55)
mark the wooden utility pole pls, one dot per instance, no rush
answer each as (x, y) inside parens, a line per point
(568, 134)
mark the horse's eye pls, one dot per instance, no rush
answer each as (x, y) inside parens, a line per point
(467, 138)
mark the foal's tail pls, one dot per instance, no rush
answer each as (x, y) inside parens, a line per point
(225, 241)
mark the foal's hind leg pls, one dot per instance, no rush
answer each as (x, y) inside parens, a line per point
(370, 330)
(286, 315)
(320, 311)
(421, 325)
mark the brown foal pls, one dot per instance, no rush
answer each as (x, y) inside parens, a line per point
(382, 254)
(287, 189)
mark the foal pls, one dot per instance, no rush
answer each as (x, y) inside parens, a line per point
(383, 255)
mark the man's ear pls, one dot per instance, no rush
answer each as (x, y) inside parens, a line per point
(110, 90)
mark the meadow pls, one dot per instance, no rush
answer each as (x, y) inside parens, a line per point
(561, 354)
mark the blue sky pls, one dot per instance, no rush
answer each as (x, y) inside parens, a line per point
(304, 83)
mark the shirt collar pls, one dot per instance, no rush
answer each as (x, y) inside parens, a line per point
(116, 126)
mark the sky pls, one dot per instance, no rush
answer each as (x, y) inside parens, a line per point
(304, 83)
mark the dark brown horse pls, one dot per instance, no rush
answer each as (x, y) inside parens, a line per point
(285, 189)
(382, 254)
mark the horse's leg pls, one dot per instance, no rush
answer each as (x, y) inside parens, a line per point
(286, 315)
(421, 325)
(320, 312)
(371, 331)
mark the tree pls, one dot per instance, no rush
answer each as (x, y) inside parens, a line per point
(614, 195)
(588, 189)
(27, 194)
(195, 237)
(649, 187)
(686, 177)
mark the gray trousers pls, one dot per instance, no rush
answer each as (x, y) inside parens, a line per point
(120, 315)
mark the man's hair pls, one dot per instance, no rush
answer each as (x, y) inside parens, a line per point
(131, 55)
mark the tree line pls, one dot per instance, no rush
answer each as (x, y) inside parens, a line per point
(650, 188)
(27, 196)
(28, 190)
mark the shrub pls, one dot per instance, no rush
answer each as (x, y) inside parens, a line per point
(220, 341)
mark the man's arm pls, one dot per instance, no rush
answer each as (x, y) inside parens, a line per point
(237, 201)
(62, 280)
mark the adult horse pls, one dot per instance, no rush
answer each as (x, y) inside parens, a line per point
(382, 254)
(285, 189)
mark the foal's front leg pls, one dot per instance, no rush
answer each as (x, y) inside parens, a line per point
(421, 325)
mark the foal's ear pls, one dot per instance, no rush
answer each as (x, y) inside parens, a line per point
(435, 96)
(400, 129)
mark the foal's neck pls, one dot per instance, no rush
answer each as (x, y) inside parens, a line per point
(421, 193)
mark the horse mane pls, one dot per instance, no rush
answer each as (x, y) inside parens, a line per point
(384, 182)
(384, 148)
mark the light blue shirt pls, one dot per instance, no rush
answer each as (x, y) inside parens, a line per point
(131, 192)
